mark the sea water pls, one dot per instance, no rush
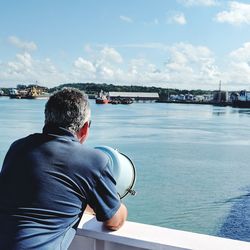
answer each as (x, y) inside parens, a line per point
(192, 161)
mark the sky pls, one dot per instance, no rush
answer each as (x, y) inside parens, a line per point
(185, 44)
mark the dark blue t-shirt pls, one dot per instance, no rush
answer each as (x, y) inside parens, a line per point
(46, 182)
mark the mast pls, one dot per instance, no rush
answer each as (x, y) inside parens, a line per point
(219, 95)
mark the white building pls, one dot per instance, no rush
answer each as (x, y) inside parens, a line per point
(244, 95)
(13, 91)
(199, 98)
(135, 95)
(189, 97)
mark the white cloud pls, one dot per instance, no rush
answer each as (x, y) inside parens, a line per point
(126, 19)
(103, 65)
(199, 2)
(186, 66)
(241, 54)
(143, 71)
(160, 46)
(239, 75)
(111, 54)
(17, 42)
(238, 13)
(84, 65)
(24, 68)
(82, 70)
(106, 72)
(178, 18)
(192, 64)
(238, 70)
(21, 65)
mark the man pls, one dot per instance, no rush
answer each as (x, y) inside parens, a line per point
(49, 178)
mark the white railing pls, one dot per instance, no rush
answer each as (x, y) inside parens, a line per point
(91, 235)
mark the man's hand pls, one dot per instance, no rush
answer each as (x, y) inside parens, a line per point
(118, 219)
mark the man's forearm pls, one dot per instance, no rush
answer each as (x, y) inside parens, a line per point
(118, 219)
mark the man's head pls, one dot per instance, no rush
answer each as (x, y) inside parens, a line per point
(68, 108)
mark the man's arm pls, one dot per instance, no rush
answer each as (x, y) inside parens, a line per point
(118, 219)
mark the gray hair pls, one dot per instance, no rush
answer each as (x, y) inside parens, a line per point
(67, 108)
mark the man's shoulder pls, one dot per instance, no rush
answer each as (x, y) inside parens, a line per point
(94, 157)
(28, 142)
(25, 140)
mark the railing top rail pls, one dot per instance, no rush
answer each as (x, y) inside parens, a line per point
(153, 237)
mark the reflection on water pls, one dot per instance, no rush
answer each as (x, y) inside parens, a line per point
(244, 111)
(222, 111)
(189, 158)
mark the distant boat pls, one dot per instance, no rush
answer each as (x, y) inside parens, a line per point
(241, 104)
(31, 93)
(242, 100)
(101, 100)
(17, 96)
(126, 101)
(14, 94)
(115, 101)
(121, 101)
(42, 96)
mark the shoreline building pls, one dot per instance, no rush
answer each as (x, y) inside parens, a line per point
(221, 96)
(135, 96)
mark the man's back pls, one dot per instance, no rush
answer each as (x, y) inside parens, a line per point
(45, 184)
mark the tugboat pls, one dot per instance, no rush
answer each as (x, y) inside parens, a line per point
(102, 98)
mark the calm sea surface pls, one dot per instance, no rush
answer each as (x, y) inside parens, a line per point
(193, 161)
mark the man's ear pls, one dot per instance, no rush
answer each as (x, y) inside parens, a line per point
(82, 134)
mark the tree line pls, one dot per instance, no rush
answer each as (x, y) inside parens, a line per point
(95, 88)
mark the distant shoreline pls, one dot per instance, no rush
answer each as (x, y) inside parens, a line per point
(222, 104)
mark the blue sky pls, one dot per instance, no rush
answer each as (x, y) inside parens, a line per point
(186, 44)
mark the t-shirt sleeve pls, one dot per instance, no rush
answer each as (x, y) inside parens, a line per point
(104, 198)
